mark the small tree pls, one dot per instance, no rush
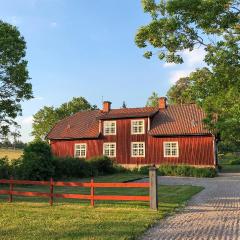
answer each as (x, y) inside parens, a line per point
(153, 100)
(37, 162)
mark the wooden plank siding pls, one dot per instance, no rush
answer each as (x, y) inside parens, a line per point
(193, 150)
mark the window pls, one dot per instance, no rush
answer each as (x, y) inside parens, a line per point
(109, 128)
(138, 149)
(171, 149)
(109, 149)
(80, 150)
(137, 126)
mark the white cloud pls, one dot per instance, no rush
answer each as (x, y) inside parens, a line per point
(191, 58)
(175, 75)
(53, 24)
(26, 120)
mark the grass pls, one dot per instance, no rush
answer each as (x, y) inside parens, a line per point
(10, 153)
(225, 163)
(33, 218)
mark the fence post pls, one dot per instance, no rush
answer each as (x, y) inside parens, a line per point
(153, 188)
(10, 190)
(92, 192)
(51, 191)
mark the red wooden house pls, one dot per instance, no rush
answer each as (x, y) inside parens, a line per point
(173, 134)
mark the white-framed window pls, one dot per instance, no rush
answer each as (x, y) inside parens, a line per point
(80, 150)
(109, 149)
(138, 149)
(137, 126)
(170, 149)
(109, 127)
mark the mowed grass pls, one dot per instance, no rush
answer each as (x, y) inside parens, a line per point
(225, 163)
(33, 218)
(10, 153)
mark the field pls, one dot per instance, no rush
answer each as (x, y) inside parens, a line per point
(33, 218)
(226, 162)
(10, 153)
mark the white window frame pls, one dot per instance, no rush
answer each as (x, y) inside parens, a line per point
(132, 155)
(80, 153)
(132, 126)
(115, 149)
(105, 123)
(171, 148)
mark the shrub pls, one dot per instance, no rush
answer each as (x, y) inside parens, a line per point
(143, 170)
(235, 161)
(4, 168)
(71, 167)
(188, 171)
(37, 163)
(101, 165)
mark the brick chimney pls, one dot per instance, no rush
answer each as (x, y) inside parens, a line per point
(106, 106)
(162, 102)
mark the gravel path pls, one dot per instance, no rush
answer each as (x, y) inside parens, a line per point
(212, 214)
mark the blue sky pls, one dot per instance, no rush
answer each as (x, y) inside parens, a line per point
(86, 48)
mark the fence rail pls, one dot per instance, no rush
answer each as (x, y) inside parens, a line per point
(92, 185)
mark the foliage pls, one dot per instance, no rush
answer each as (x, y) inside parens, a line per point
(101, 165)
(79, 168)
(187, 171)
(14, 84)
(235, 162)
(71, 168)
(213, 25)
(180, 92)
(152, 100)
(4, 168)
(47, 117)
(37, 163)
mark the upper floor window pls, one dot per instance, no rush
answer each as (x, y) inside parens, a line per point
(138, 149)
(109, 127)
(109, 149)
(80, 150)
(171, 149)
(137, 126)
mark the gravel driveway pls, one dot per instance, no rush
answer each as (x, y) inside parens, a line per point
(214, 213)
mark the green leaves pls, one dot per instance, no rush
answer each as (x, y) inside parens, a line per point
(14, 79)
(214, 24)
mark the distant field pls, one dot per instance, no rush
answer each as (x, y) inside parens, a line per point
(10, 153)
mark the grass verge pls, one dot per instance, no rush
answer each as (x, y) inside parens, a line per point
(33, 218)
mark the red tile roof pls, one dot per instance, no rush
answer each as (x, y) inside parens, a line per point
(174, 120)
(183, 119)
(129, 113)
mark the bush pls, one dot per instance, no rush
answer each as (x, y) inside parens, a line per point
(37, 162)
(188, 171)
(4, 168)
(71, 167)
(235, 162)
(101, 166)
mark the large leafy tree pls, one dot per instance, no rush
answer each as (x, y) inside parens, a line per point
(47, 117)
(14, 78)
(152, 100)
(215, 26)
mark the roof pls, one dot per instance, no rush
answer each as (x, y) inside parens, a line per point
(80, 125)
(186, 119)
(183, 119)
(129, 113)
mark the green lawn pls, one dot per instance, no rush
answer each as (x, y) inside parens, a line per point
(33, 218)
(225, 163)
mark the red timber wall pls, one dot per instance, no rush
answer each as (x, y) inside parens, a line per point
(193, 150)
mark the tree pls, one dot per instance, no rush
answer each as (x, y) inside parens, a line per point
(124, 105)
(152, 100)
(214, 26)
(14, 84)
(47, 117)
(180, 92)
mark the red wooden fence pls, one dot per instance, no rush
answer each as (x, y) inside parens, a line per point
(92, 185)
